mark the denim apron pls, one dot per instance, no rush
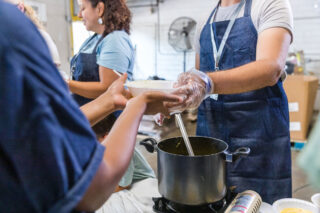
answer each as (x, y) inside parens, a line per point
(84, 67)
(258, 119)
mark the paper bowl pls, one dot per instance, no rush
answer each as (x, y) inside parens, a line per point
(282, 204)
(141, 86)
(316, 199)
(266, 208)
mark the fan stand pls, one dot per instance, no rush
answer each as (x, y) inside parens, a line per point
(184, 60)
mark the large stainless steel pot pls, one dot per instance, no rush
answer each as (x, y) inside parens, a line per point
(196, 180)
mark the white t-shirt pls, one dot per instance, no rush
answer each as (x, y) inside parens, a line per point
(265, 14)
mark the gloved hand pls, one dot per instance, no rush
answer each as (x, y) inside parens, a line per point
(159, 118)
(193, 86)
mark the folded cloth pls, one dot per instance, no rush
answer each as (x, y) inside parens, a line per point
(138, 199)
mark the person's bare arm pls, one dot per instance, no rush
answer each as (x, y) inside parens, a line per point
(119, 147)
(115, 98)
(272, 49)
(197, 64)
(94, 89)
(96, 111)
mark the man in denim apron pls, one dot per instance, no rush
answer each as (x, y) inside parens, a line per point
(251, 108)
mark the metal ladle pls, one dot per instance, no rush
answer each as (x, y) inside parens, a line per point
(184, 134)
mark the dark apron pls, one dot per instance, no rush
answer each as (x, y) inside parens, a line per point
(84, 68)
(258, 119)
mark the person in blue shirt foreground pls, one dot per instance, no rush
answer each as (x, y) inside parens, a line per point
(50, 160)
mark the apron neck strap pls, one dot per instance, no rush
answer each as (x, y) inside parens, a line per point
(92, 37)
(217, 53)
(247, 11)
(95, 47)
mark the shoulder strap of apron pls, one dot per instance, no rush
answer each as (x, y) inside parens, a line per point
(217, 53)
(92, 37)
(95, 48)
(75, 57)
(247, 11)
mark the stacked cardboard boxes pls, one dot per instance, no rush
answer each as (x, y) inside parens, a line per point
(301, 91)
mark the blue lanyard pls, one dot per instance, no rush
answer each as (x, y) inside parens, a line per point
(217, 53)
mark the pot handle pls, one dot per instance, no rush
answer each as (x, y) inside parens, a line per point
(241, 152)
(150, 144)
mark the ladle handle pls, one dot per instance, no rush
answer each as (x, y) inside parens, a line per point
(184, 134)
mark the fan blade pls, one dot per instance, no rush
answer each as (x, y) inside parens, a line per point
(190, 26)
(173, 34)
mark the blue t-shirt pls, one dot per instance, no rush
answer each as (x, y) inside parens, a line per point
(115, 51)
(48, 152)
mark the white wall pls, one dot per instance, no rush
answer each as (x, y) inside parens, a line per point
(307, 32)
(80, 34)
(58, 27)
(307, 36)
(166, 61)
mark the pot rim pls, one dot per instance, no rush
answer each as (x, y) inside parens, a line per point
(196, 156)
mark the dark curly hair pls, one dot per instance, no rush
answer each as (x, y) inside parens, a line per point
(117, 15)
(104, 126)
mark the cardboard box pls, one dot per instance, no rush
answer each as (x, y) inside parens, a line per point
(301, 92)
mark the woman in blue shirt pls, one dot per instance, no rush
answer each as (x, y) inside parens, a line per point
(107, 50)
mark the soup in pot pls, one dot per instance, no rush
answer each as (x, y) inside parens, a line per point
(201, 146)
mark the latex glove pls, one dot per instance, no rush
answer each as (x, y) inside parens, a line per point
(194, 86)
(159, 118)
(156, 104)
